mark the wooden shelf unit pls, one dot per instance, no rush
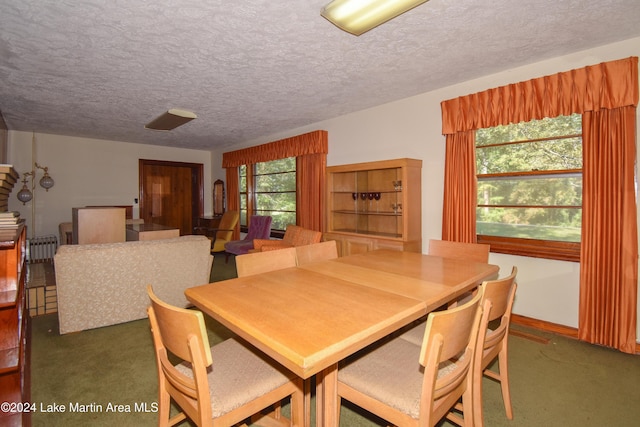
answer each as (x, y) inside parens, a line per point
(15, 347)
(375, 205)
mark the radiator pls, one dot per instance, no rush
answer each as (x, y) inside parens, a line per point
(42, 249)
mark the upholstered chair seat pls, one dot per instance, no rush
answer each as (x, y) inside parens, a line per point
(259, 228)
(228, 389)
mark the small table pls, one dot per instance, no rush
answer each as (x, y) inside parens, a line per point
(150, 232)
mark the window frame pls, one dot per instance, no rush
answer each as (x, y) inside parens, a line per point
(251, 193)
(536, 248)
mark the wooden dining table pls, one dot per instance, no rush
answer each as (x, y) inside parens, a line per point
(309, 318)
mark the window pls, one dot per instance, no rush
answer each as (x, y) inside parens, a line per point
(530, 187)
(269, 188)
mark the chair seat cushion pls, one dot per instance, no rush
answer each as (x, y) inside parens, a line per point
(392, 374)
(415, 335)
(240, 374)
(218, 245)
(239, 247)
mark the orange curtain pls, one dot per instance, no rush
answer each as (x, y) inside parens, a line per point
(310, 150)
(606, 317)
(460, 194)
(609, 256)
(310, 176)
(233, 196)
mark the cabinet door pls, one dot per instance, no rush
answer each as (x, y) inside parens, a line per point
(359, 246)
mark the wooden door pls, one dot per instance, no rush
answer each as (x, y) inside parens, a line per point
(171, 193)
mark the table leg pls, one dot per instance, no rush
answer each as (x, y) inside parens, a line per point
(307, 402)
(327, 397)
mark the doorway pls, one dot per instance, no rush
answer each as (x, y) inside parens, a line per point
(171, 193)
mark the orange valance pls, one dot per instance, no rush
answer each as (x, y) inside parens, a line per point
(607, 85)
(315, 142)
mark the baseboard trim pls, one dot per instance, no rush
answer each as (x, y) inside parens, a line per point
(542, 325)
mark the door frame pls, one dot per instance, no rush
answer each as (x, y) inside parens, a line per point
(197, 184)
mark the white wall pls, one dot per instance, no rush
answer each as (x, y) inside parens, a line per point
(86, 172)
(548, 290)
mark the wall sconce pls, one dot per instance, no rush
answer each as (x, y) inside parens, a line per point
(46, 182)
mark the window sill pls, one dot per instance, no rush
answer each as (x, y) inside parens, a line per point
(548, 249)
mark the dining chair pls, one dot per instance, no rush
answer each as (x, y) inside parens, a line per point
(493, 341)
(478, 252)
(410, 385)
(262, 262)
(241, 384)
(259, 228)
(322, 251)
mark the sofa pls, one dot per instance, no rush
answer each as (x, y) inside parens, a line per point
(105, 284)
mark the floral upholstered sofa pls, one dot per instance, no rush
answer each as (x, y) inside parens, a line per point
(105, 284)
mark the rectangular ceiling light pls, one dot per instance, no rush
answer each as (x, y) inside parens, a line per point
(359, 16)
(171, 120)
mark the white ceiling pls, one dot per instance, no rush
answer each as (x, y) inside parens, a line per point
(250, 68)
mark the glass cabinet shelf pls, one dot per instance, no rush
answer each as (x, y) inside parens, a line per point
(376, 200)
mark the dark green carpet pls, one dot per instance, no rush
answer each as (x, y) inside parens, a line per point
(563, 383)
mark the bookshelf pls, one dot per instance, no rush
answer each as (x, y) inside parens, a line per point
(14, 325)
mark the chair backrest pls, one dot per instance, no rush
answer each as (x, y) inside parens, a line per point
(262, 262)
(295, 235)
(501, 293)
(449, 334)
(317, 252)
(259, 227)
(291, 234)
(227, 224)
(183, 333)
(478, 252)
(307, 237)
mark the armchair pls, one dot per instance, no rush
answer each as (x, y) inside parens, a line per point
(293, 236)
(259, 228)
(223, 234)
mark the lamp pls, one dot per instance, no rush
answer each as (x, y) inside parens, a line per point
(25, 194)
(171, 119)
(359, 16)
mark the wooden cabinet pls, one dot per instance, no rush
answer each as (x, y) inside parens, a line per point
(14, 326)
(375, 205)
(98, 225)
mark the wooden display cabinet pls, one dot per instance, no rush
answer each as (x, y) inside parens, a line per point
(14, 327)
(375, 205)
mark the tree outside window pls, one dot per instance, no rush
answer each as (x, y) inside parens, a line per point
(269, 188)
(530, 186)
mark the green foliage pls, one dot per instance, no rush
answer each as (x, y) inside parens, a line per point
(274, 190)
(517, 204)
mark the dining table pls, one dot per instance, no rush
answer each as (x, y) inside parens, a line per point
(310, 317)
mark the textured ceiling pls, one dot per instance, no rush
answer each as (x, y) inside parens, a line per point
(250, 68)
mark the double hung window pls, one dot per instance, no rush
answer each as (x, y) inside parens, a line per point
(269, 188)
(529, 182)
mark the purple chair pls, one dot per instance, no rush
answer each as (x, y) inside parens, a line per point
(259, 228)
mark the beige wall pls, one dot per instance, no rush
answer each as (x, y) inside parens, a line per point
(86, 172)
(412, 128)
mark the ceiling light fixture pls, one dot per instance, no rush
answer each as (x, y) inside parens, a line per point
(359, 16)
(171, 119)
